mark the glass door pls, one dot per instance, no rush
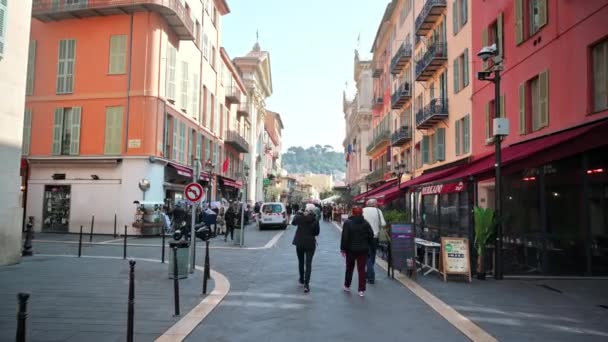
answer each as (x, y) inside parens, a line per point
(56, 210)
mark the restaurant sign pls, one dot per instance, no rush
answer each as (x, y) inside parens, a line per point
(443, 188)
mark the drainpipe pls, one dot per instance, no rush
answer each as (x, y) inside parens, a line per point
(128, 107)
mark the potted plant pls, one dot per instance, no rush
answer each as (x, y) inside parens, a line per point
(484, 230)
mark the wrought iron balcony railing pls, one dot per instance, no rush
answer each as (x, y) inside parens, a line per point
(233, 95)
(379, 140)
(401, 96)
(376, 175)
(243, 109)
(429, 15)
(433, 59)
(435, 111)
(401, 58)
(401, 136)
(235, 140)
(173, 11)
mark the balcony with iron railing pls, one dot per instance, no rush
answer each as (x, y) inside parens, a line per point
(380, 140)
(434, 112)
(434, 58)
(234, 139)
(243, 109)
(429, 15)
(401, 136)
(376, 175)
(378, 102)
(376, 70)
(173, 11)
(233, 95)
(401, 96)
(401, 58)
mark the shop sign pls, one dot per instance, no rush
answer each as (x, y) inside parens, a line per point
(402, 246)
(134, 143)
(456, 257)
(443, 188)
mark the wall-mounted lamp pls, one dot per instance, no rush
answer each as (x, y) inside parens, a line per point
(95, 177)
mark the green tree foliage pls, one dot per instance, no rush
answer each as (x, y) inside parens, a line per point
(315, 159)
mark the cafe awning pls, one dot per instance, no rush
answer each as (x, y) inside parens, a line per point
(373, 192)
(181, 170)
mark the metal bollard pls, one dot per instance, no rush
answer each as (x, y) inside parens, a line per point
(92, 225)
(175, 282)
(29, 235)
(206, 270)
(162, 252)
(115, 225)
(131, 312)
(80, 243)
(124, 244)
(21, 316)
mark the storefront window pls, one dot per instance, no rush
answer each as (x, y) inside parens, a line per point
(56, 215)
(597, 174)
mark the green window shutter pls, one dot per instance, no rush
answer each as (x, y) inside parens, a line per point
(465, 73)
(3, 20)
(484, 42)
(27, 132)
(57, 131)
(457, 135)
(118, 54)
(542, 13)
(487, 120)
(65, 66)
(464, 12)
(190, 146)
(519, 21)
(500, 34)
(113, 137)
(171, 65)
(198, 146)
(522, 109)
(75, 131)
(455, 16)
(456, 75)
(543, 84)
(174, 154)
(31, 68)
(434, 145)
(466, 134)
(440, 134)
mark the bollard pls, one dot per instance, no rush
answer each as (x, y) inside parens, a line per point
(92, 225)
(131, 312)
(80, 243)
(115, 225)
(29, 235)
(206, 270)
(21, 316)
(175, 282)
(162, 252)
(124, 244)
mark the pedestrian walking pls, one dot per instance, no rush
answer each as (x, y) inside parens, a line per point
(230, 218)
(221, 221)
(357, 237)
(288, 210)
(373, 215)
(306, 243)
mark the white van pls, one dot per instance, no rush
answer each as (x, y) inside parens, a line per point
(272, 214)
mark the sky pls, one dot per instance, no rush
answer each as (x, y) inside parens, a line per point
(311, 45)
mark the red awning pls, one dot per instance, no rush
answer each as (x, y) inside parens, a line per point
(372, 192)
(430, 177)
(389, 194)
(204, 176)
(181, 170)
(231, 183)
(529, 154)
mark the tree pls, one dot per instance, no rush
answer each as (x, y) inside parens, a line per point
(326, 193)
(315, 159)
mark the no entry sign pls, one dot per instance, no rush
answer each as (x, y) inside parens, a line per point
(193, 192)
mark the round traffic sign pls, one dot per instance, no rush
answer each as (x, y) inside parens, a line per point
(193, 192)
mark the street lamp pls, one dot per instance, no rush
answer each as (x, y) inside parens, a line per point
(245, 179)
(399, 170)
(209, 166)
(500, 128)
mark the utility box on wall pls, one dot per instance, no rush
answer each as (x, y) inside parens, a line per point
(501, 126)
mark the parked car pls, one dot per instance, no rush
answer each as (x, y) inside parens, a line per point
(272, 214)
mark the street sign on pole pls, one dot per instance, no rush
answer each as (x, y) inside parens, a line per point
(194, 193)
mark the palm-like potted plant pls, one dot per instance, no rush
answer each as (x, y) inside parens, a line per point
(484, 230)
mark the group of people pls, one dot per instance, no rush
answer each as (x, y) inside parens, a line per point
(358, 243)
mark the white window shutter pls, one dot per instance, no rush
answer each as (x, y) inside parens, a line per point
(184, 86)
(194, 100)
(75, 131)
(543, 93)
(27, 132)
(57, 131)
(171, 65)
(3, 26)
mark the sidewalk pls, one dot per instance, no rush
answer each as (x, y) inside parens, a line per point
(529, 310)
(86, 299)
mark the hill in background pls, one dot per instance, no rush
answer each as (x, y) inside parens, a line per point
(315, 159)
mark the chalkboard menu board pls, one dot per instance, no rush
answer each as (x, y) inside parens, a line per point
(402, 245)
(455, 256)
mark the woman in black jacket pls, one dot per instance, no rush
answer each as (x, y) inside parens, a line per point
(305, 242)
(357, 235)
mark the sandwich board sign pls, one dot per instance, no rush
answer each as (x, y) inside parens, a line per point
(455, 257)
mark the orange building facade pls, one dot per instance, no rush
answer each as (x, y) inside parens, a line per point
(124, 91)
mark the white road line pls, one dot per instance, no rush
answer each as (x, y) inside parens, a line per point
(110, 241)
(269, 295)
(240, 303)
(274, 240)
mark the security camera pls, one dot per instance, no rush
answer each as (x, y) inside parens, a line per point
(487, 52)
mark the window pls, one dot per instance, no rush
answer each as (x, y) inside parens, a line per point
(191, 146)
(534, 103)
(197, 33)
(167, 136)
(66, 131)
(418, 156)
(118, 54)
(199, 143)
(65, 66)
(184, 99)
(171, 65)
(530, 17)
(213, 56)
(113, 136)
(462, 135)
(405, 10)
(214, 15)
(207, 149)
(27, 132)
(195, 97)
(600, 76)
(425, 148)
(438, 143)
(182, 142)
(211, 111)
(205, 46)
(205, 104)
(490, 115)
(31, 68)
(460, 14)
(3, 20)
(175, 143)
(461, 71)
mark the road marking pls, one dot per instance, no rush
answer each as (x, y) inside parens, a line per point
(274, 240)
(240, 303)
(459, 321)
(109, 241)
(182, 328)
(269, 295)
